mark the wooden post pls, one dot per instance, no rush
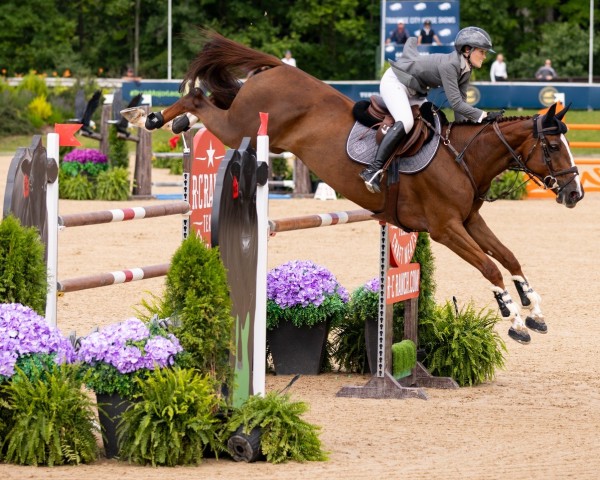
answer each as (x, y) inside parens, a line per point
(302, 185)
(104, 128)
(142, 186)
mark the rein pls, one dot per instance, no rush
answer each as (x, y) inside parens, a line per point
(548, 182)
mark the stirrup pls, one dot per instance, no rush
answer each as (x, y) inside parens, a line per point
(371, 186)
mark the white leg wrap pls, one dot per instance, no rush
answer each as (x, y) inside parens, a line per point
(507, 305)
(535, 300)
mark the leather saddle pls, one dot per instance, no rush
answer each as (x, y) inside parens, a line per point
(374, 114)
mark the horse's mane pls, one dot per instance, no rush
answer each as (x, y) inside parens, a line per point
(221, 63)
(470, 123)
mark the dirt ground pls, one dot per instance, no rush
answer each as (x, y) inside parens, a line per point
(538, 419)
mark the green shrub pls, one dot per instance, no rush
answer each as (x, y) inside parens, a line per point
(74, 188)
(53, 421)
(172, 420)
(197, 297)
(348, 346)
(13, 111)
(284, 435)
(23, 274)
(509, 185)
(113, 184)
(118, 153)
(35, 84)
(463, 344)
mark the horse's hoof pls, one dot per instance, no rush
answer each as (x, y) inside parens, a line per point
(536, 325)
(521, 335)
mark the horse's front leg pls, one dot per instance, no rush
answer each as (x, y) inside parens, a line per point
(165, 118)
(457, 239)
(490, 244)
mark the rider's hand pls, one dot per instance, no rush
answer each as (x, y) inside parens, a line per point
(493, 116)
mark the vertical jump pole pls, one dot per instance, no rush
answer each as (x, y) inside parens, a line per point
(262, 210)
(52, 229)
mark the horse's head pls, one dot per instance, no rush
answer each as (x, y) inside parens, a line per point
(550, 159)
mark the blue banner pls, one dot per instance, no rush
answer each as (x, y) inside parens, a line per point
(443, 15)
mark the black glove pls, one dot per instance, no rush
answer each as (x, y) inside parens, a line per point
(493, 116)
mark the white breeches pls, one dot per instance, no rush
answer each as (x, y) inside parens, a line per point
(398, 99)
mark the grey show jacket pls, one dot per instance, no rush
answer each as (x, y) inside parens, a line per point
(422, 72)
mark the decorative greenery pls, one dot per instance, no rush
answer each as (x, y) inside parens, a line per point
(284, 435)
(118, 355)
(53, 421)
(27, 337)
(348, 345)
(113, 184)
(74, 188)
(197, 299)
(172, 420)
(463, 344)
(404, 358)
(509, 185)
(304, 293)
(22, 265)
(118, 153)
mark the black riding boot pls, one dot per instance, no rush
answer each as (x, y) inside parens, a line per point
(372, 174)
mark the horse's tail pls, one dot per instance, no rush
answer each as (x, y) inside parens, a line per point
(221, 63)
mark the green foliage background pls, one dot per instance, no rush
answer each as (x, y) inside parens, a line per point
(331, 39)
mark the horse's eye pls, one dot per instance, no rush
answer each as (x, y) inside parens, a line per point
(555, 147)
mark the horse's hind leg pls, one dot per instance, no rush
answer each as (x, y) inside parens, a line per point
(490, 244)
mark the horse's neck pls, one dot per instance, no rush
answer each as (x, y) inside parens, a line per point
(484, 151)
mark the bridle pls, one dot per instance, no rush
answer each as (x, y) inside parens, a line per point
(550, 181)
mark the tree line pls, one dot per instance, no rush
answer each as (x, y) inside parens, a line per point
(331, 39)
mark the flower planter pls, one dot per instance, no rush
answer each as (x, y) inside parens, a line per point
(371, 325)
(110, 409)
(298, 349)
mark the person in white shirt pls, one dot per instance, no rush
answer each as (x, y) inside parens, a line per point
(498, 70)
(289, 59)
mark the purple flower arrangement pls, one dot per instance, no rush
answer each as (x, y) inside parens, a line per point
(305, 294)
(116, 355)
(25, 334)
(88, 161)
(85, 155)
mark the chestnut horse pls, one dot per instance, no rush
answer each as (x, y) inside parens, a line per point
(312, 120)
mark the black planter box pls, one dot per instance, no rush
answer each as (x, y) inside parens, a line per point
(298, 349)
(110, 409)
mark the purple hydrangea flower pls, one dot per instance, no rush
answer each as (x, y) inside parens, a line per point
(302, 283)
(25, 332)
(372, 285)
(85, 155)
(129, 347)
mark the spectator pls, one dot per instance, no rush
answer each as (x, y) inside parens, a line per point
(130, 76)
(287, 58)
(399, 36)
(546, 72)
(427, 35)
(498, 70)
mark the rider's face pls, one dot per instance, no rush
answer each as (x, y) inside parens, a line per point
(477, 57)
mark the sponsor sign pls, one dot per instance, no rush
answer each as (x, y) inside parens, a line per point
(404, 277)
(208, 153)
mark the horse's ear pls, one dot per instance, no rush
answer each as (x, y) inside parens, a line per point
(560, 115)
(551, 111)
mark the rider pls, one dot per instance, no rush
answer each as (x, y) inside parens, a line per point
(410, 77)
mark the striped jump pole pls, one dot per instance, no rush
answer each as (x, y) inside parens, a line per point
(123, 214)
(319, 220)
(112, 278)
